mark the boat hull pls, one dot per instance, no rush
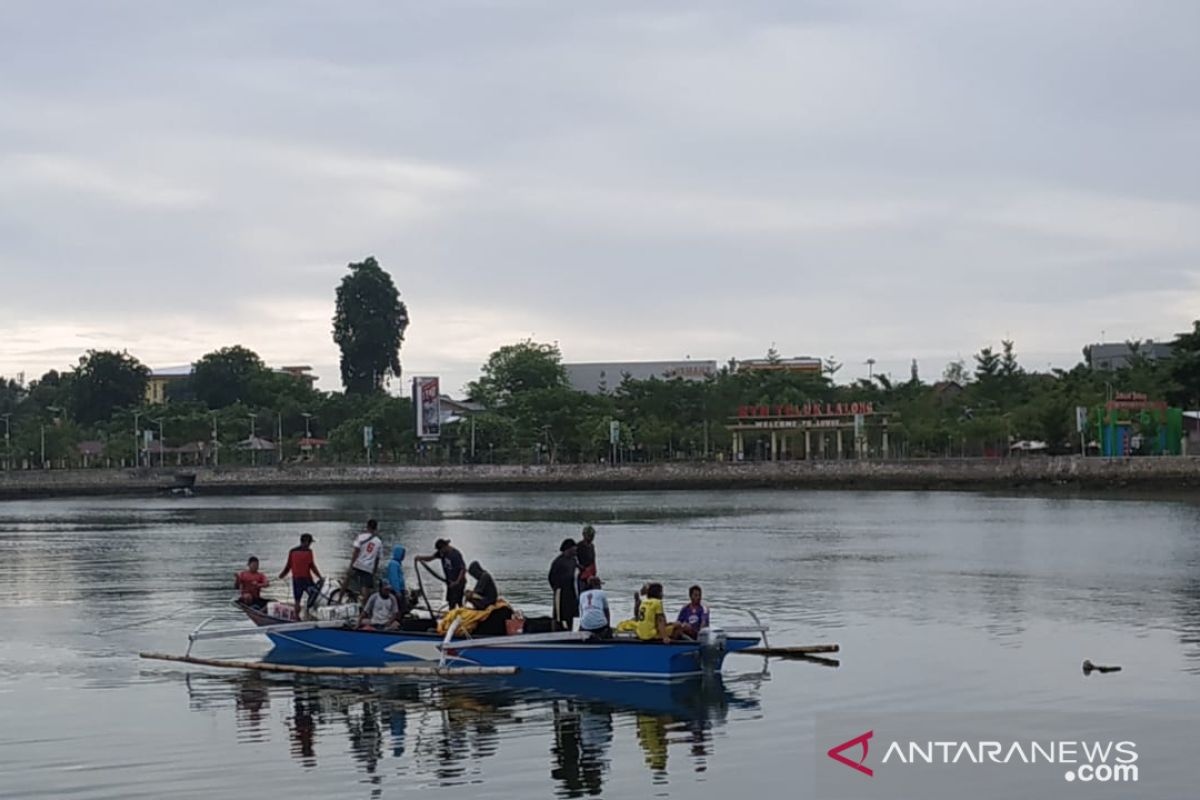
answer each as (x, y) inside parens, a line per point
(615, 658)
(627, 658)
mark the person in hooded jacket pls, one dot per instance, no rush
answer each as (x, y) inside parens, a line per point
(562, 581)
(395, 577)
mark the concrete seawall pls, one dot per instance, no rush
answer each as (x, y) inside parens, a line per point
(1166, 474)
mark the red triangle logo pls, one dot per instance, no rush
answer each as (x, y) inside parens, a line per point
(836, 753)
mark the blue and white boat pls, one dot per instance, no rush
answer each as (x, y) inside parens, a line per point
(337, 643)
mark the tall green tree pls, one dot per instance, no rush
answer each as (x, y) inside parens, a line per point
(987, 364)
(229, 375)
(1184, 367)
(103, 381)
(368, 327)
(517, 368)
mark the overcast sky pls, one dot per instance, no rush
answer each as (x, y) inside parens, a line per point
(632, 180)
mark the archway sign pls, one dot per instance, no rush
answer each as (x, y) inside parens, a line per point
(808, 430)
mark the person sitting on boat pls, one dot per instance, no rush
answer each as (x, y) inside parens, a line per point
(382, 610)
(694, 616)
(652, 620)
(562, 581)
(485, 594)
(395, 576)
(250, 583)
(454, 568)
(364, 558)
(585, 557)
(302, 566)
(594, 616)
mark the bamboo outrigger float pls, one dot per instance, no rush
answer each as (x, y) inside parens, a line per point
(303, 669)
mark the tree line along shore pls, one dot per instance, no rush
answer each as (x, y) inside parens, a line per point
(525, 412)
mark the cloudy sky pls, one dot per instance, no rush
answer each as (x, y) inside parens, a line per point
(634, 180)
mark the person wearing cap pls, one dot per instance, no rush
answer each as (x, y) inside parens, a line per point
(485, 594)
(585, 555)
(301, 565)
(594, 616)
(382, 610)
(364, 558)
(562, 581)
(454, 569)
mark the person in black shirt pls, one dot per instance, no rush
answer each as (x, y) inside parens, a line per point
(562, 581)
(585, 556)
(485, 592)
(454, 568)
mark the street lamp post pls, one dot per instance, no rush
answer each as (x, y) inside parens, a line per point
(278, 437)
(307, 429)
(52, 410)
(216, 448)
(159, 421)
(137, 461)
(253, 452)
(7, 442)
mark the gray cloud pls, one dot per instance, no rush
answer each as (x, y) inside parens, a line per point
(866, 179)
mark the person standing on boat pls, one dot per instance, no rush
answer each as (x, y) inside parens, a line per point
(395, 576)
(302, 566)
(454, 568)
(594, 616)
(694, 616)
(250, 583)
(485, 594)
(382, 610)
(585, 557)
(364, 559)
(562, 581)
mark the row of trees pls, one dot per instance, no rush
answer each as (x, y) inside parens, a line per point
(229, 394)
(973, 410)
(530, 413)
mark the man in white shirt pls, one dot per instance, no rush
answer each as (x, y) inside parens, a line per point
(382, 610)
(364, 559)
(594, 616)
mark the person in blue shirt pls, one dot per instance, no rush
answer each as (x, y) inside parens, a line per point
(694, 616)
(395, 577)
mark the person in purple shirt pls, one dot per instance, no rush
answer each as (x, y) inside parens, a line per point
(694, 616)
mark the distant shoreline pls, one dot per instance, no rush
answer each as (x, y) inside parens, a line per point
(1148, 473)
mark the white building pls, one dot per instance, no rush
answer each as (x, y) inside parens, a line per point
(605, 377)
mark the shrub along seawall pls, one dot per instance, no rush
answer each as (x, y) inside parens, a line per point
(1162, 473)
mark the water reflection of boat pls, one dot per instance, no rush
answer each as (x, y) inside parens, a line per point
(447, 732)
(702, 697)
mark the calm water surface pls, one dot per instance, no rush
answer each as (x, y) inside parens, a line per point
(941, 602)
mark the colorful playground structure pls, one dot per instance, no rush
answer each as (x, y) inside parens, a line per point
(1131, 424)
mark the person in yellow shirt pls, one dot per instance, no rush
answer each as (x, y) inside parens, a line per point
(652, 620)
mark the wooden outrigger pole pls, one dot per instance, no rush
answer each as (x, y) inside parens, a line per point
(804, 650)
(299, 669)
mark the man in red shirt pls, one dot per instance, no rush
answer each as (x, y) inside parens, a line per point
(300, 563)
(250, 583)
